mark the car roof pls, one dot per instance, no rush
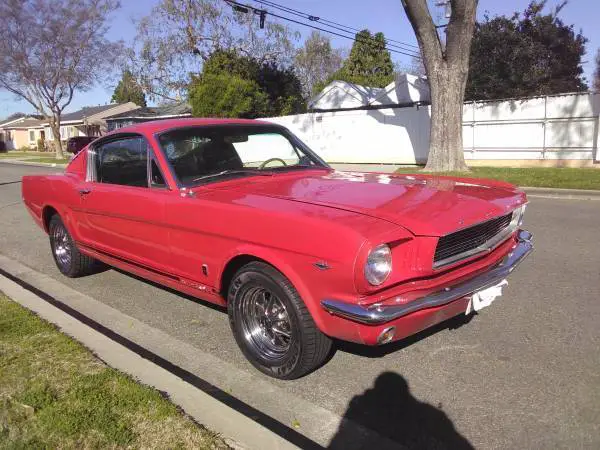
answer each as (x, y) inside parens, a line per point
(157, 126)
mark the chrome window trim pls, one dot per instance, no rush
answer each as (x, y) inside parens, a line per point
(294, 140)
(90, 169)
(152, 158)
(91, 174)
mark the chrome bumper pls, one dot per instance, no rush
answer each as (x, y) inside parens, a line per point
(378, 314)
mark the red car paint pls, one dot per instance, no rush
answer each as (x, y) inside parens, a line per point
(292, 220)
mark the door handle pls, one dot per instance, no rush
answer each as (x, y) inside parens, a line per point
(84, 191)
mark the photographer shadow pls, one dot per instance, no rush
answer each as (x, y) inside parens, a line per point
(390, 410)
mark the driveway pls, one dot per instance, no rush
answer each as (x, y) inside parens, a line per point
(524, 373)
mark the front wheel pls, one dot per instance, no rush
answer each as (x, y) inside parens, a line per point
(271, 324)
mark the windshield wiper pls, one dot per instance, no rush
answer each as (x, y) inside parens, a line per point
(261, 173)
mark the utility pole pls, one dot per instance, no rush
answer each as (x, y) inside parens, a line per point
(447, 13)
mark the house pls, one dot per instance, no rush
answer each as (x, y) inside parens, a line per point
(88, 121)
(405, 90)
(170, 111)
(21, 132)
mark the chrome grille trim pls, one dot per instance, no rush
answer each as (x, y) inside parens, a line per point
(472, 240)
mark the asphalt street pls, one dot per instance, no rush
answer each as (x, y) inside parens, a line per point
(524, 373)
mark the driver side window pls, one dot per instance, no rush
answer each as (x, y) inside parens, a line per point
(123, 162)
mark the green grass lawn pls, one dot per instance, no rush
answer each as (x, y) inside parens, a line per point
(17, 154)
(49, 160)
(33, 156)
(563, 177)
(55, 394)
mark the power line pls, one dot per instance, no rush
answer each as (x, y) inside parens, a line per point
(338, 26)
(241, 7)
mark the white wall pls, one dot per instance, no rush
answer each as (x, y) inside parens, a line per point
(542, 128)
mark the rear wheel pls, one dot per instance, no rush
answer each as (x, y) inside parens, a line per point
(271, 324)
(69, 260)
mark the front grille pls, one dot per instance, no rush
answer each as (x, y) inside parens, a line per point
(451, 246)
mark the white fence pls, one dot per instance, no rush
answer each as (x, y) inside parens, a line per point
(554, 129)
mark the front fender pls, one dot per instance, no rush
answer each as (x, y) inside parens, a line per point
(308, 280)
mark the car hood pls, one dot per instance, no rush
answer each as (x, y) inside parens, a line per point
(424, 205)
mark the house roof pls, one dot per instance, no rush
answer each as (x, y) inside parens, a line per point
(87, 112)
(29, 122)
(339, 95)
(10, 121)
(171, 110)
(342, 94)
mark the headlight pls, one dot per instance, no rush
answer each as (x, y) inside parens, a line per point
(517, 218)
(379, 265)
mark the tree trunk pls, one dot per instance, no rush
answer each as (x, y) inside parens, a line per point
(447, 67)
(446, 151)
(55, 126)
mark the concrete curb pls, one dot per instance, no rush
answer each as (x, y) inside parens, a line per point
(34, 164)
(574, 194)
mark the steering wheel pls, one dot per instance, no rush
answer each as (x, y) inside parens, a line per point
(262, 166)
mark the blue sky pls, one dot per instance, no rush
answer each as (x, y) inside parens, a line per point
(378, 15)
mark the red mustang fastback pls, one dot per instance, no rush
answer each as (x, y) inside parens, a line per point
(241, 213)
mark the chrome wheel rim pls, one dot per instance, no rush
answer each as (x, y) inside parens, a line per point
(62, 246)
(265, 322)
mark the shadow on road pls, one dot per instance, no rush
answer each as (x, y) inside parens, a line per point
(389, 409)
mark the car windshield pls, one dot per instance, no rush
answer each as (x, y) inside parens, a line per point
(208, 153)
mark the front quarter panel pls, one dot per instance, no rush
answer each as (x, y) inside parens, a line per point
(216, 226)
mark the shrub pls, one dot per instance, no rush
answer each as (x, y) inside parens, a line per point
(222, 95)
(3, 147)
(281, 86)
(24, 148)
(41, 146)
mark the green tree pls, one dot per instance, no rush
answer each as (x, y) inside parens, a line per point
(128, 90)
(226, 95)
(369, 63)
(533, 53)
(281, 86)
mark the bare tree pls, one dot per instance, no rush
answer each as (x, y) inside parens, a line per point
(316, 61)
(596, 81)
(50, 49)
(447, 68)
(415, 67)
(175, 39)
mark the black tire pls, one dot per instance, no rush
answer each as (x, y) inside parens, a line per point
(267, 348)
(69, 260)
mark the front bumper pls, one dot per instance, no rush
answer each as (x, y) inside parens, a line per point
(379, 314)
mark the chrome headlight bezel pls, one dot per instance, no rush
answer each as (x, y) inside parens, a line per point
(517, 217)
(378, 265)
